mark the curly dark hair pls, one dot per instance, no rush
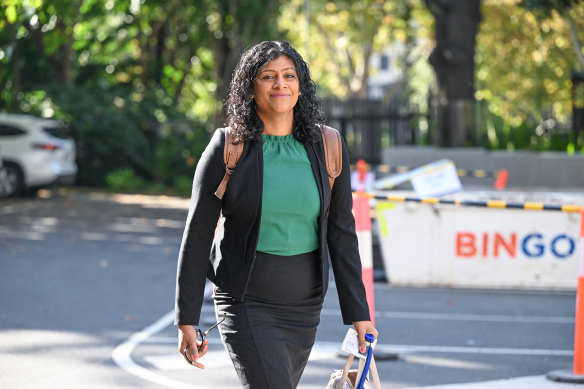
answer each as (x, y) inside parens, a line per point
(241, 113)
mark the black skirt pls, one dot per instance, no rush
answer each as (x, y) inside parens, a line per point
(270, 334)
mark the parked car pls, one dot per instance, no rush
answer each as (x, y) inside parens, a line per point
(36, 152)
(3, 179)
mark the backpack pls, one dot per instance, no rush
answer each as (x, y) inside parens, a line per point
(331, 140)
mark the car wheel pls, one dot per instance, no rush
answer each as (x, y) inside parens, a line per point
(11, 181)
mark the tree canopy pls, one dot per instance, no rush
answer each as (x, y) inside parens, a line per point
(143, 82)
(524, 62)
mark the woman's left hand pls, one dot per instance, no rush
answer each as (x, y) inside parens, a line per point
(362, 328)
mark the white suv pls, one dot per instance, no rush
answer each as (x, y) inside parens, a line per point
(3, 177)
(36, 152)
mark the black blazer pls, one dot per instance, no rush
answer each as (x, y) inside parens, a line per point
(225, 253)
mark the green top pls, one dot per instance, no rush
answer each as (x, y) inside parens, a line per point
(291, 202)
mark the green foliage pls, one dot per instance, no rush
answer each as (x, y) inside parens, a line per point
(496, 133)
(179, 145)
(183, 185)
(339, 38)
(142, 81)
(117, 72)
(547, 6)
(113, 132)
(125, 180)
(523, 64)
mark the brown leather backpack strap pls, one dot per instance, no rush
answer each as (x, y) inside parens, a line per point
(231, 153)
(333, 152)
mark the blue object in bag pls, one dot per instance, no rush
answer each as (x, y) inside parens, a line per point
(369, 338)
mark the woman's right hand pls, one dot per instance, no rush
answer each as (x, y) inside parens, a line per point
(188, 347)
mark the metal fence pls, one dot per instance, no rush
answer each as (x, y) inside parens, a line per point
(369, 125)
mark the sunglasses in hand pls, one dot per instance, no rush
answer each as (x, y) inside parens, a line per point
(201, 337)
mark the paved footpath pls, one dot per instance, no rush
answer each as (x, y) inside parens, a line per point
(435, 358)
(535, 382)
(87, 286)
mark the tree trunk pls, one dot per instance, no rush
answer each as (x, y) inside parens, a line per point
(159, 53)
(576, 45)
(62, 62)
(456, 26)
(68, 76)
(16, 81)
(225, 62)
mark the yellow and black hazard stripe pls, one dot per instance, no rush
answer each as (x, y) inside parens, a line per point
(477, 173)
(472, 203)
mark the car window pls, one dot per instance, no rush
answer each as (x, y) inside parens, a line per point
(6, 130)
(61, 132)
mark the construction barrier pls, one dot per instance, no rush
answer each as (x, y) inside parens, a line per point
(471, 203)
(466, 246)
(499, 246)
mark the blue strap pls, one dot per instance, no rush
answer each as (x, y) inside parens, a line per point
(369, 338)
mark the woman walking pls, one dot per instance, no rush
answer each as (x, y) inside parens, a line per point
(279, 222)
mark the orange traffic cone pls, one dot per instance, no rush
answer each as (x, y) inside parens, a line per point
(501, 180)
(362, 213)
(577, 374)
(579, 333)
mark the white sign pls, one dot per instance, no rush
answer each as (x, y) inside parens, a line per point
(432, 180)
(447, 245)
(438, 180)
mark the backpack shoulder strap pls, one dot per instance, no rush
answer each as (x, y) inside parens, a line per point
(332, 149)
(231, 153)
(333, 152)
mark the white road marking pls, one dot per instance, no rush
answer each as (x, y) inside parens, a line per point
(170, 362)
(321, 350)
(532, 382)
(463, 317)
(122, 355)
(173, 340)
(220, 358)
(477, 317)
(330, 350)
(446, 361)
(334, 347)
(410, 349)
